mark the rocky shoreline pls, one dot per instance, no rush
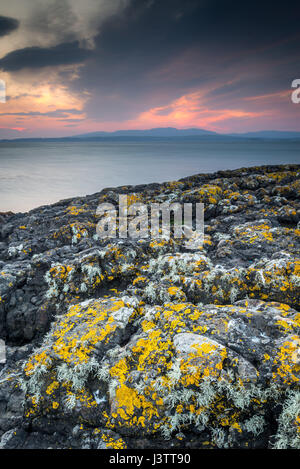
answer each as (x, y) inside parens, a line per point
(147, 344)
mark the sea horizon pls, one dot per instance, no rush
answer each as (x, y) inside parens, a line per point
(33, 174)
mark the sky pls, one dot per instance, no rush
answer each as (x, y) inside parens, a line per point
(73, 66)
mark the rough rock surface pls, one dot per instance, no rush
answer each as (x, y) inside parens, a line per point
(148, 344)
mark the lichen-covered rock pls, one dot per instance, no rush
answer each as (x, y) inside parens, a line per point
(135, 343)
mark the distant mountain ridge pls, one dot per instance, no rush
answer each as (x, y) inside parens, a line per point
(192, 132)
(156, 132)
(170, 132)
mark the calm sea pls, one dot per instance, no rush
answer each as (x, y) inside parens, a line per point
(39, 173)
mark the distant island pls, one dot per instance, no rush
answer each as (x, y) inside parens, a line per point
(170, 132)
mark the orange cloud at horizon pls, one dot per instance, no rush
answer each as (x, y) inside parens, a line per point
(187, 111)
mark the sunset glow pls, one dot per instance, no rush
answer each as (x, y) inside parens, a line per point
(89, 74)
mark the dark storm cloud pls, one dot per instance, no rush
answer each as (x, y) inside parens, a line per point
(39, 57)
(7, 25)
(148, 32)
(154, 51)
